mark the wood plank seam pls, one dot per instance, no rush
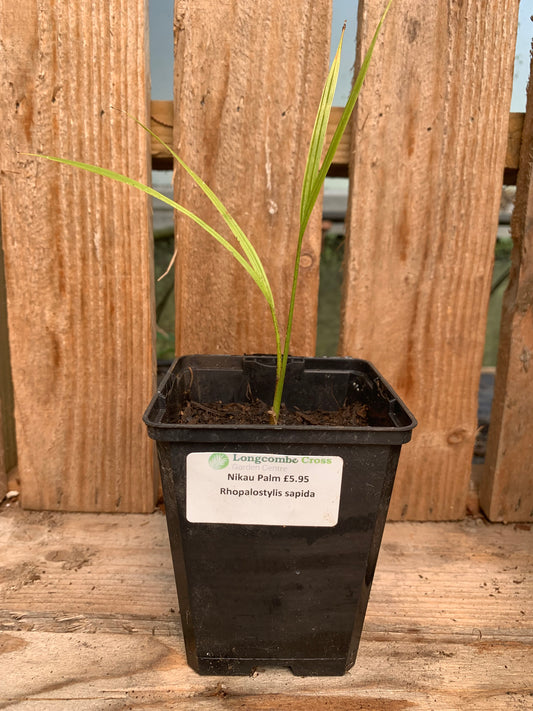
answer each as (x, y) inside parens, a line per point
(506, 492)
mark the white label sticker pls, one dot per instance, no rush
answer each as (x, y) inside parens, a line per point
(263, 489)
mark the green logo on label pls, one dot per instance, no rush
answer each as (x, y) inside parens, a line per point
(218, 460)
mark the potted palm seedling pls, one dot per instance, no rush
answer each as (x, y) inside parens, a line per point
(277, 471)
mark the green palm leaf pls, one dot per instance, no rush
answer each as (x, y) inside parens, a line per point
(314, 177)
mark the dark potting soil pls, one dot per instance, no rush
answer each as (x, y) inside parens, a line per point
(257, 412)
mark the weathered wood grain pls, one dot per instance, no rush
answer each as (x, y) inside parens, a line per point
(88, 615)
(244, 107)
(433, 581)
(506, 492)
(149, 672)
(428, 156)
(77, 252)
(162, 122)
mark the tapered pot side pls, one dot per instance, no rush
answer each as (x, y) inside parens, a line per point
(275, 530)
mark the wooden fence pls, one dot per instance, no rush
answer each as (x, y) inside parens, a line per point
(426, 156)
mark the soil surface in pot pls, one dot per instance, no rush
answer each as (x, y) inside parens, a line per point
(257, 412)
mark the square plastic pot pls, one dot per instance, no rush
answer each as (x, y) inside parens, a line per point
(275, 530)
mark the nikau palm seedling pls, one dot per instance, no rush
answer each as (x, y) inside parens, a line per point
(315, 173)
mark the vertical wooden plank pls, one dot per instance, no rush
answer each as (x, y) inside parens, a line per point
(427, 164)
(247, 87)
(77, 252)
(506, 492)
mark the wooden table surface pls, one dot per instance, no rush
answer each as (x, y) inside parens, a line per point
(88, 620)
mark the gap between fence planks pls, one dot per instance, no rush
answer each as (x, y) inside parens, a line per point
(244, 108)
(78, 253)
(3, 468)
(8, 452)
(428, 156)
(162, 123)
(506, 493)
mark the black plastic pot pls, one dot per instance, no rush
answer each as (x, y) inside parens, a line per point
(266, 576)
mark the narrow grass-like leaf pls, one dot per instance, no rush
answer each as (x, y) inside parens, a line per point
(254, 267)
(343, 122)
(240, 236)
(247, 247)
(106, 173)
(320, 129)
(315, 179)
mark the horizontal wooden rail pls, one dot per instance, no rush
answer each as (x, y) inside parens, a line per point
(162, 122)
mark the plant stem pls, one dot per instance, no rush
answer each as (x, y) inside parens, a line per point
(314, 179)
(282, 367)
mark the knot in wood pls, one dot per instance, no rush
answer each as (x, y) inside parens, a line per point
(306, 260)
(525, 357)
(457, 435)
